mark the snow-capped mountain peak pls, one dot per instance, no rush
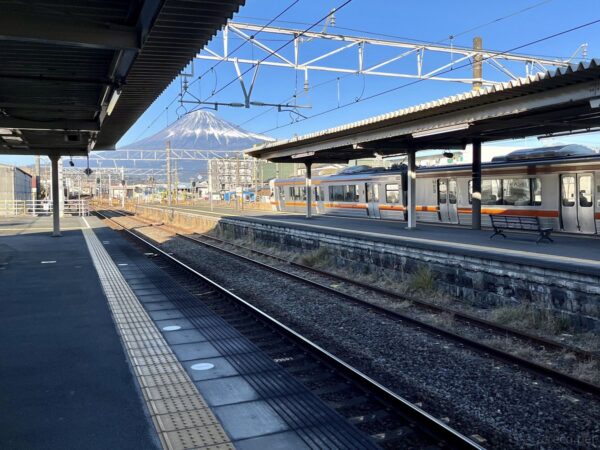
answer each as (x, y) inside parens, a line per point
(201, 130)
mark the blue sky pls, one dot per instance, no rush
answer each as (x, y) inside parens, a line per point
(425, 20)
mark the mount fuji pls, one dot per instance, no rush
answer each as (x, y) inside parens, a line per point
(198, 130)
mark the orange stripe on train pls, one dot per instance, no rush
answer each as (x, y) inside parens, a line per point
(513, 212)
(429, 208)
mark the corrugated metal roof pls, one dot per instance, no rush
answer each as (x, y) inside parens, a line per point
(180, 30)
(586, 71)
(61, 60)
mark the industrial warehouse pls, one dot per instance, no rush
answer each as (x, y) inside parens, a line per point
(252, 224)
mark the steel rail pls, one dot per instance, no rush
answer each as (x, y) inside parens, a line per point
(460, 315)
(539, 369)
(433, 425)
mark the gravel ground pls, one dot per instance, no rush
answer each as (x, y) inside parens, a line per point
(476, 395)
(560, 360)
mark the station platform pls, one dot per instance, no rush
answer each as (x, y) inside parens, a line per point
(103, 349)
(568, 252)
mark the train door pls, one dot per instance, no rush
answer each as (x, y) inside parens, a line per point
(318, 199)
(577, 203)
(281, 198)
(372, 199)
(447, 199)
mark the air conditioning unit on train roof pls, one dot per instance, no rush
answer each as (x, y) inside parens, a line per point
(557, 151)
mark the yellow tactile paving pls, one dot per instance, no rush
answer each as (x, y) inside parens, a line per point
(181, 416)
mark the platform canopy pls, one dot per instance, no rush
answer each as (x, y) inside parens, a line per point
(75, 75)
(562, 101)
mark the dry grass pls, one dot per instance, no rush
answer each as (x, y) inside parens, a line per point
(588, 370)
(317, 258)
(527, 317)
(422, 284)
(423, 280)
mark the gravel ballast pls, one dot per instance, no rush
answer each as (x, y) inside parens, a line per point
(509, 407)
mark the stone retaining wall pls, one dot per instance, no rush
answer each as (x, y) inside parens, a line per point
(471, 279)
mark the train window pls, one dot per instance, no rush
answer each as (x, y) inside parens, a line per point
(536, 191)
(297, 193)
(585, 191)
(350, 193)
(392, 194)
(511, 191)
(516, 191)
(568, 191)
(336, 193)
(375, 193)
(347, 193)
(282, 193)
(452, 190)
(491, 192)
(316, 194)
(371, 192)
(442, 192)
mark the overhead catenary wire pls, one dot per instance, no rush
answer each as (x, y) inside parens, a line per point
(424, 41)
(420, 80)
(286, 9)
(338, 78)
(281, 47)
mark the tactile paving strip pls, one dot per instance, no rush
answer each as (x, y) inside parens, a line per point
(180, 415)
(313, 421)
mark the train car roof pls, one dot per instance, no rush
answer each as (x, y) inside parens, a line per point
(526, 157)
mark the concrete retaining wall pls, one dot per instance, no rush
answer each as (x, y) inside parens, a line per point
(471, 279)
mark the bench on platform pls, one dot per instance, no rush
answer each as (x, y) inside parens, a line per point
(501, 223)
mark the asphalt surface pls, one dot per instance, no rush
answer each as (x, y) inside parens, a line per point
(66, 383)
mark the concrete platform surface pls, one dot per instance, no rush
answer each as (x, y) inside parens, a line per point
(66, 383)
(103, 349)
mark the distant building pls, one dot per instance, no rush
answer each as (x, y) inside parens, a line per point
(15, 184)
(229, 174)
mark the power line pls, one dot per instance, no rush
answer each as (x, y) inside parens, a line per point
(339, 78)
(215, 65)
(418, 41)
(281, 47)
(500, 19)
(387, 91)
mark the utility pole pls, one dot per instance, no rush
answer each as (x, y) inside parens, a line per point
(211, 179)
(123, 187)
(109, 189)
(176, 183)
(169, 173)
(477, 63)
(237, 182)
(255, 174)
(37, 191)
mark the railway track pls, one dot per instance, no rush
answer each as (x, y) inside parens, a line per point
(467, 319)
(392, 421)
(456, 314)
(539, 369)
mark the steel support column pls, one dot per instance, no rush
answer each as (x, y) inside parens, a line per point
(476, 183)
(411, 179)
(55, 197)
(308, 189)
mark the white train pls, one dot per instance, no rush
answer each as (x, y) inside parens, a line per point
(560, 185)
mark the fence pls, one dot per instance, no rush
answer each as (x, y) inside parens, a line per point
(42, 208)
